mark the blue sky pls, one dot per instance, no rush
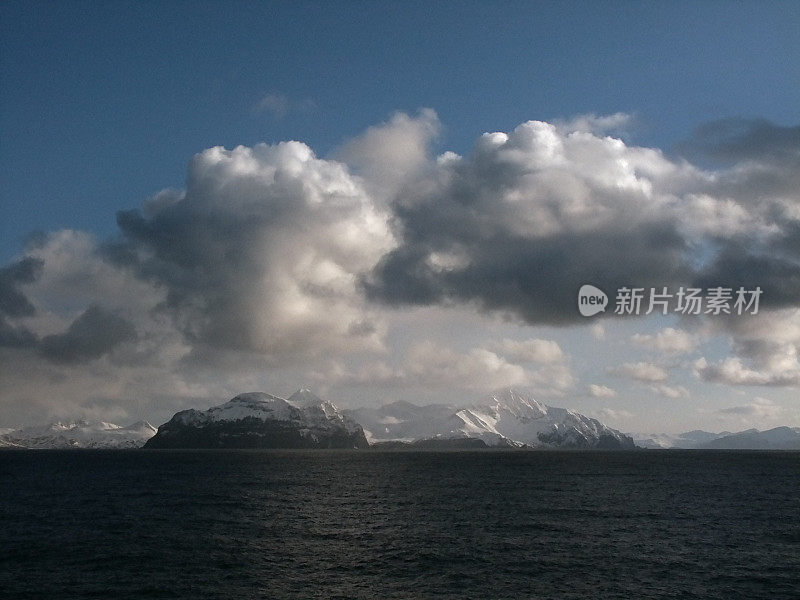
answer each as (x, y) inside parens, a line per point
(104, 103)
(424, 276)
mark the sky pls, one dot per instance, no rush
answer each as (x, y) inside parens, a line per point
(386, 201)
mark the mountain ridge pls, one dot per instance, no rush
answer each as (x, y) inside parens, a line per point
(81, 434)
(777, 438)
(505, 418)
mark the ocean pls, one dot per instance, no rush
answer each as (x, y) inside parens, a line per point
(380, 525)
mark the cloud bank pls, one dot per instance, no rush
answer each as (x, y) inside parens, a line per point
(273, 259)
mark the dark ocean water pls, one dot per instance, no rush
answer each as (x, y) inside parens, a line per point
(350, 524)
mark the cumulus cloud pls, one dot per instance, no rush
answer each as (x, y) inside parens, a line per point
(519, 224)
(262, 252)
(57, 276)
(527, 218)
(640, 371)
(275, 261)
(766, 351)
(597, 331)
(531, 351)
(733, 371)
(549, 374)
(668, 340)
(389, 153)
(253, 266)
(432, 364)
(601, 391)
(597, 124)
(552, 380)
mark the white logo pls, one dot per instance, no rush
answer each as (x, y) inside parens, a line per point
(591, 300)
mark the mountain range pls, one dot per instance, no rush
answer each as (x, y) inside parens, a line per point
(506, 419)
(78, 434)
(778, 438)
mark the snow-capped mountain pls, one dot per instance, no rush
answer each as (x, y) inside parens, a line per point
(506, 418)
(778, 438)
(79, 434)
(258, 420)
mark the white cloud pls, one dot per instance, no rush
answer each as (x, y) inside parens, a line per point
(74, 276)
(601, 391)
(670, 391)
(611, 414)
(552, 377)
(275, 265)
(598, 331)
(592, 123)
(766, 350)
(431, 364)
(389, 153)
(552, 380)
(530, 351)
(733, 371)
(641, 371)
(276, 105)
(706, 215)
(669, 340)
(263, 252)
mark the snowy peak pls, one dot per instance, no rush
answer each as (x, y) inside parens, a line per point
(143, 426)
(515, 403)
(301, 407)
(80, 434)
(258, 420)
(307, 401)
(505, 418)
(305, 397)
(251, 404)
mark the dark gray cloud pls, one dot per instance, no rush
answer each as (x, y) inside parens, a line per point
(760, 162)
(528, 217)
(13, 302)
(94, 333)
(15, 337)
(738, 139)
(736, 266)
(535, 279)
